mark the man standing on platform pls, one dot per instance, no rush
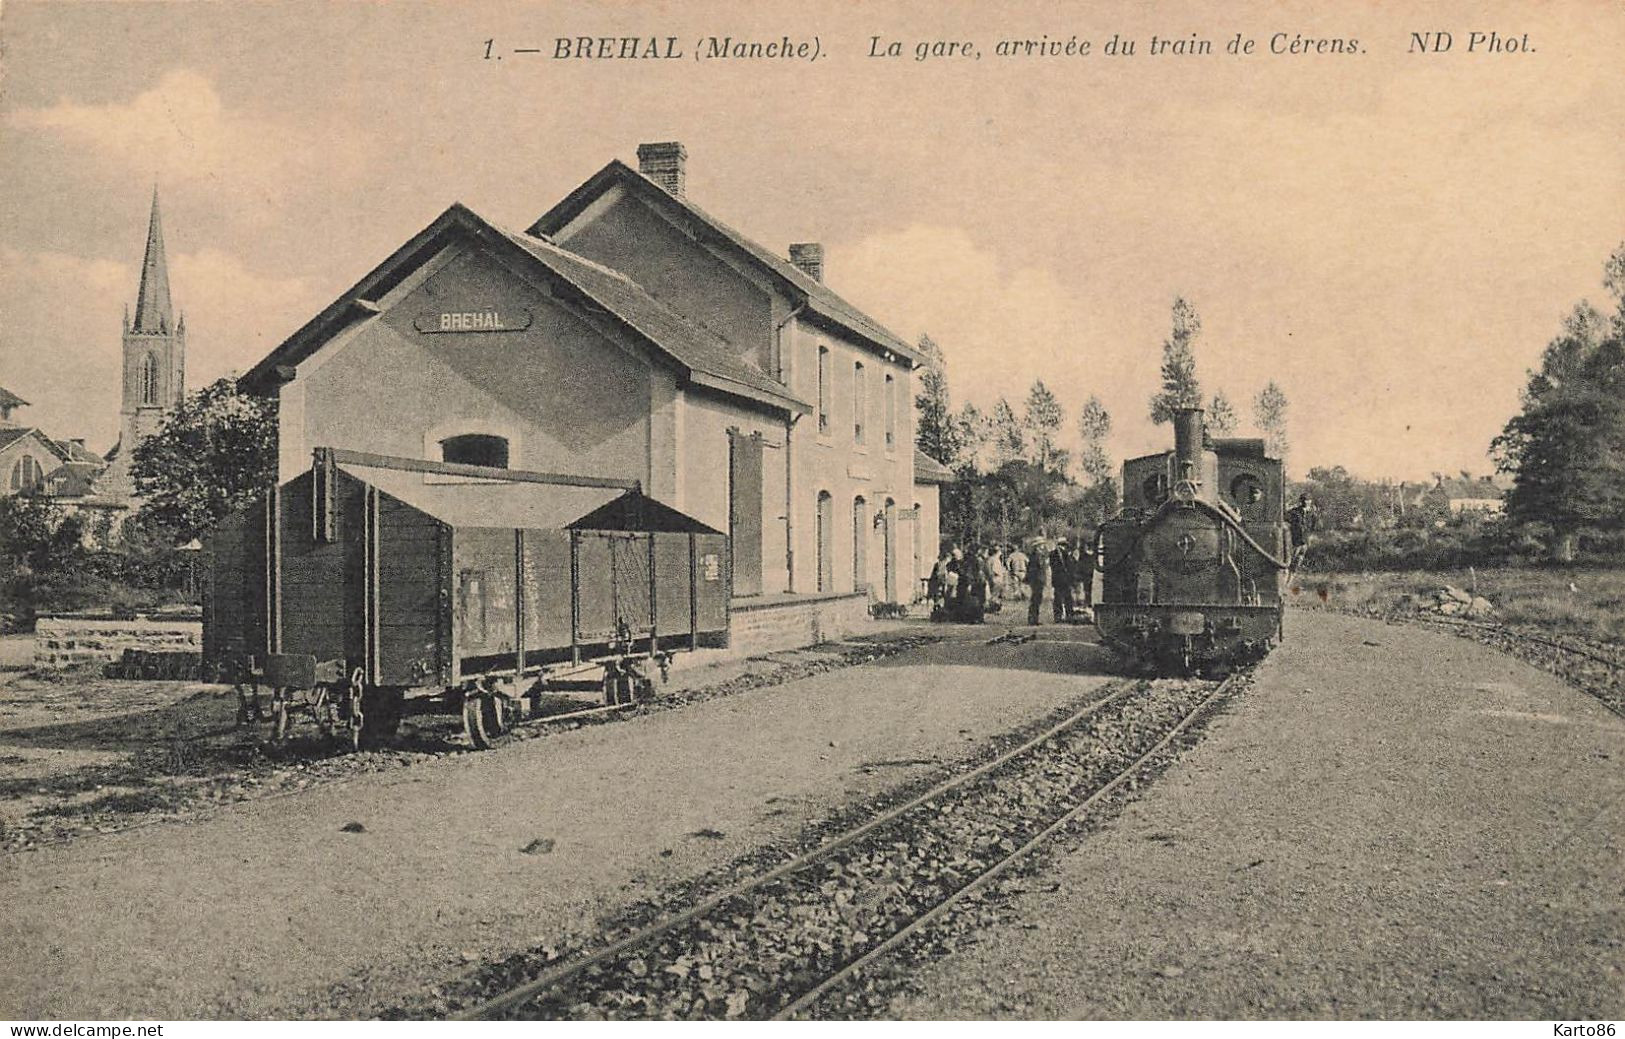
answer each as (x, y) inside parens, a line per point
(1060, 572)
(1037, 577)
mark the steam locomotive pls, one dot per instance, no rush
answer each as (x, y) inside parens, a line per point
(1194, 566)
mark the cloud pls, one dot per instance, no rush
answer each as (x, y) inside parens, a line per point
(61, 346)
(1000, 325)
(181, 131)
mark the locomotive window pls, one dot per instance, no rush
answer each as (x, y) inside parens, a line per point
(475, 449)
(1246, 490)
(1155, 488)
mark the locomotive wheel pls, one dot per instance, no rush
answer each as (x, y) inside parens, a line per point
(486, 719)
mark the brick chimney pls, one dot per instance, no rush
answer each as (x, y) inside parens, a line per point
(809, 256)
(663, 163)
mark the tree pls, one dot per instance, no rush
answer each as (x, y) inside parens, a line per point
(1006, 440)
(972, 430)
(1221, 417)
(1042, 421)
(1180, 387)
(1566, 448)
(936, 430)
(1094, 426)
(1269, 415)
(214, 453)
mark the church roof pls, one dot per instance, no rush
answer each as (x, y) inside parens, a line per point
(152, 306)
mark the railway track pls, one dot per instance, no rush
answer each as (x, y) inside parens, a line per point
(1589, 668)
(790, 941)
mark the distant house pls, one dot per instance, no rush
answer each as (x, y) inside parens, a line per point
(1466, 495)
(26, 457)
(65, 471)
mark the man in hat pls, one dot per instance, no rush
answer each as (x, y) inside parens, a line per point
(1037, 577)
(1061, 576)
(1301, 521)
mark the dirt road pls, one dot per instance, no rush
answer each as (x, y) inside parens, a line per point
(1392, 823)
(273, 907)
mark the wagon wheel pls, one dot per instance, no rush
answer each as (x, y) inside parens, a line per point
(279, 714)
(248, 703)
(357, 716)
(382, 708)
(321, 709)
(486, 718)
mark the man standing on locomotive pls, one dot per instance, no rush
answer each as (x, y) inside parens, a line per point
(1301, 520)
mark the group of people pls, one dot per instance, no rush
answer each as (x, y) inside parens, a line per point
(968, 583)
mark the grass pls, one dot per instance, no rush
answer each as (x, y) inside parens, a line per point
(1586, 602)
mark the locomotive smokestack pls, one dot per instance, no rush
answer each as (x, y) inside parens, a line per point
(1188, 444)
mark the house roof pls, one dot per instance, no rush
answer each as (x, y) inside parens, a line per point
(73, 480)
(10, 400)
(78, 452)
(701, 355)
(817, 297)
(15, 433)
(1480, 489)
(929, 470)
(526, 506)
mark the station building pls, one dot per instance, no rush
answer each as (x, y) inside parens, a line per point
(628, 333)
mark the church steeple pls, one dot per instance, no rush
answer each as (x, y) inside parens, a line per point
(152, 306)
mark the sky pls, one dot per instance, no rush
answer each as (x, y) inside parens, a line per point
(1391, 235)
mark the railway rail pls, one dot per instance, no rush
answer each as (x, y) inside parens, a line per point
(791, 939)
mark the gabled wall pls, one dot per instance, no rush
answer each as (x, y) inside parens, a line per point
(622, 232)
(568, 396)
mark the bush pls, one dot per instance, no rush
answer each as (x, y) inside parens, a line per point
(1488, 542)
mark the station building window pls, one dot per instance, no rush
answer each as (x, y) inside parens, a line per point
(891, 412)
(823, 388)
(476, 449)
(826, 541)
(860, 402)
(860, 539)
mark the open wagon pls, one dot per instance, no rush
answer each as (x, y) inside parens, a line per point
(371, 587)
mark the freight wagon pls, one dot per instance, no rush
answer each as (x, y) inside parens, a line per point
(371, 587)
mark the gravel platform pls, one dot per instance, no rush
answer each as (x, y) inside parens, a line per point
(1392, 823)
(337, 900)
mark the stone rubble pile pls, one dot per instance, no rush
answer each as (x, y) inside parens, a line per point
(1451, 601)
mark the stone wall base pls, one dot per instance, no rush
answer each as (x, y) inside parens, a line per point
(61, 643)
(791, 622)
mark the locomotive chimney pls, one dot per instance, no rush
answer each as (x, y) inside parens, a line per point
(1188, 444)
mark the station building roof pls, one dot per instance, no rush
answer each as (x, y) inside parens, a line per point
(818, 298)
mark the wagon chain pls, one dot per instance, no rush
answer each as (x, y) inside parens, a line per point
(554, 975)
(562, 973)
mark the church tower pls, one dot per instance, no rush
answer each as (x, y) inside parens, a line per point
(154, 359)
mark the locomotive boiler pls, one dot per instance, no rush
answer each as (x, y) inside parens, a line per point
(1194, 565)
(371, 586)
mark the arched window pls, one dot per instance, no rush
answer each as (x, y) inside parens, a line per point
(476, 449)
(860, 538)
(149, 379)
(826, 541)
(26, 474)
